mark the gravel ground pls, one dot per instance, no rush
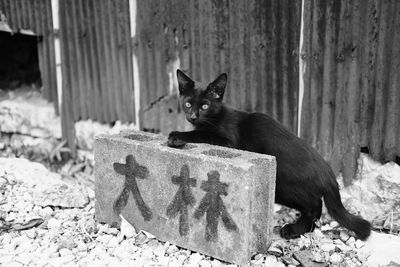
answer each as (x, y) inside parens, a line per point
(33, 234)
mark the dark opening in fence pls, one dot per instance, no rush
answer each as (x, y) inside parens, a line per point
(36, 15)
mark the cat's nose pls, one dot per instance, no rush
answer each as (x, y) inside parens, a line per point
(193, 117)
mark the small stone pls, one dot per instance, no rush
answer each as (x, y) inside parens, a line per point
(335, 258)
(343, 247)
(326, 227)
(121, 253)
(64, 252)
(111, 231)
(317, 233)
(204, 263)
(140, 239)
(327, 247)
(334, 224)
(31, 233)
(216, 263)
(67, 243)
(181, 259)
(104, 239)
(351, 241)
(82, 246)
(61, 260)
(90, 226)
(258, 256)
(14, 264)
(147, 253)
(270, 260)
(359, 243)
(113, 242)
(53, 223)
(47, 212)
(304, 242)
(273, 250)
(279, 264)
(195, 258)
(163, 261)
(23, 258)
(24, 246)
(344, 236)
(318, 257)
(172, 249)
(127, 229)
(290, 261)
(159, 251)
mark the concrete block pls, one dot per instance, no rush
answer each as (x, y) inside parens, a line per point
(213, 200)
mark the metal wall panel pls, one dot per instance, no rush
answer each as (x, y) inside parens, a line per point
(352, 80)
(96, 56)
(255, 42)
(35, 15)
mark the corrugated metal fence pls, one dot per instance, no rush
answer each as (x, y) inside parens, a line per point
(352, 80)
(96, 56)
(36, 15)
(255, 42)
(350, 55)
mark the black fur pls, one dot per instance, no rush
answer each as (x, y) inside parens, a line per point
(303, 177)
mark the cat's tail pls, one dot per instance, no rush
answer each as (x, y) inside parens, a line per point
(361, 227)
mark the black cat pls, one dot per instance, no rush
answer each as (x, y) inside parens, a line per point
(303, 177)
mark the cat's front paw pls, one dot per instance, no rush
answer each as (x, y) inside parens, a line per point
(174, 140)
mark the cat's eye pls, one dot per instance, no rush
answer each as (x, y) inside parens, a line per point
(205, 106)
(188, 105)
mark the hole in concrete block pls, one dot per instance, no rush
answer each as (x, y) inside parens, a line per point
(138, 137)
(258, 161)
(220, 153)
(185, 147)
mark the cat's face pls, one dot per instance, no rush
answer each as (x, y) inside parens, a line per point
(201, 102)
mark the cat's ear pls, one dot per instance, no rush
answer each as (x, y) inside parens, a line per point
(216, 89)
(184, 82)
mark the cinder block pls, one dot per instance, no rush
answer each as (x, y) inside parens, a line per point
(214, 200)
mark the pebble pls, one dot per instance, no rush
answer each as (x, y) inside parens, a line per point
(359, 243)
(181, 259)
(195, 258)
(147, 254)
(291, 261)
(23, 258)
(327, 247)
(270, 260)
(334, 224)
(104, 239)
(172, 249)
(215, 263)
(67, 243)
(111, 231)
(64, 252)
(326, 227)
(279, 264)
(204, 263)
(127, 229)
(113, 242)
(351, 240)
(54, 223)
(275, 251)
(335, 258)
(31, 233)
(344, 236)
(82, 246)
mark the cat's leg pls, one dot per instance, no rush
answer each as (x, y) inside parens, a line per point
(306, 223)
